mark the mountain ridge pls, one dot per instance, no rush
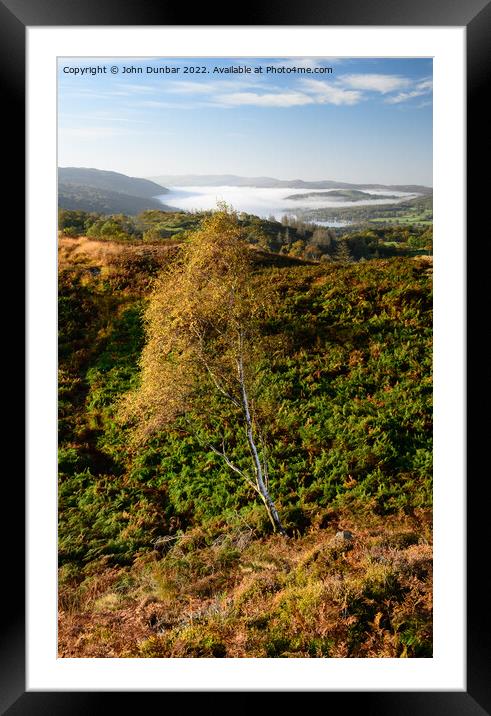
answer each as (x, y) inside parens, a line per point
(110, 181)
(271, 182)
(107, 192)
(78, 197)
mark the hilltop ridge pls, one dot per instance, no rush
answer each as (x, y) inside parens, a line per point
(271, 182)
(110, 181)
(107, 192)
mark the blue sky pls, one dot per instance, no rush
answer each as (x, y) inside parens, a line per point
(370, 120)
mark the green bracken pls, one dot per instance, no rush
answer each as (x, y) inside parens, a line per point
(345, 393)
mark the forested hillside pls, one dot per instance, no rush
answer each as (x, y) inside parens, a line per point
(166, 551)
(104, 192)
(290, 236)
(110, 181)
(102, 201)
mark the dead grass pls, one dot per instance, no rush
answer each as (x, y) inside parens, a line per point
(113, 269)
(221, 595)
(104, 253)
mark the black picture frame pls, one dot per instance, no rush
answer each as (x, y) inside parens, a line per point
(475, 15)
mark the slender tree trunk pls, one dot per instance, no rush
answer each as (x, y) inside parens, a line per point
(263, 491)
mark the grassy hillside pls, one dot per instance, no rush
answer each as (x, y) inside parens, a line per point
(230, 592)
(102, 201)
(163, 539)
(290, 236)
(110, 181)
(417, 212)
(342, 195)
(104, 192)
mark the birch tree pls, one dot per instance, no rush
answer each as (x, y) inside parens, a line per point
(202, 338)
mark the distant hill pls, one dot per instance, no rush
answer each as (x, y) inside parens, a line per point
(221, 180)
(106, 192)
(110, 181)
(269, 182)
(342, 195)
(102, 201)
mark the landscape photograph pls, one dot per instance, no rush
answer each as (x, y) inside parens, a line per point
(245, 352)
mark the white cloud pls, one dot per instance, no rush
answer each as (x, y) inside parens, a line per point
(328, 93)
(422, 87)
(311, 62)
(145, 89)
(347, 89)
(184, 87)
(82, 93)
(196, 87)
(311, 92)
(162, 104)
(279, 99)
(103, 117)
(375, 82)
(93, 132)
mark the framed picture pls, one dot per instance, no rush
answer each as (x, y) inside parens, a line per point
(43, 39)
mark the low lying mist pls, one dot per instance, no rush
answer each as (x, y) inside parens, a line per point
(264, 202)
